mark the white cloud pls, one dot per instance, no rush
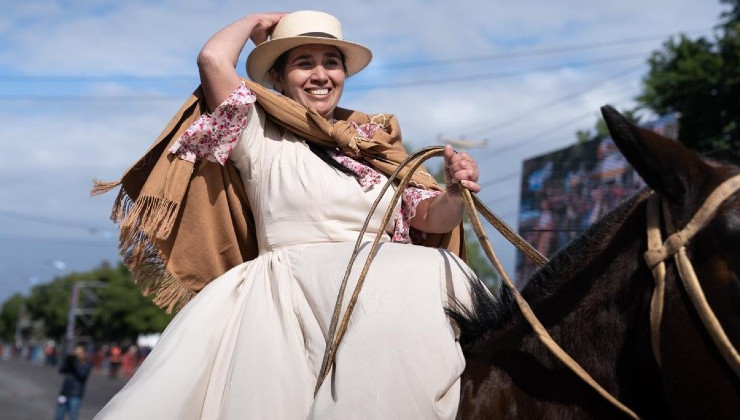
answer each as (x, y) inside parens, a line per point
(148, 37)
(53, 148)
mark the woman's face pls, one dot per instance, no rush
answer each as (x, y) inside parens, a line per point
(313, 76)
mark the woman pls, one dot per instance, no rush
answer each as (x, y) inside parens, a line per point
(250, 343)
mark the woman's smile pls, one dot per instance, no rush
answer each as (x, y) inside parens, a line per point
(317, 92)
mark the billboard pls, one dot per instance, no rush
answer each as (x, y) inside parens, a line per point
(564, 192)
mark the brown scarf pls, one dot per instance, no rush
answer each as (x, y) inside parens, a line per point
(184, 224)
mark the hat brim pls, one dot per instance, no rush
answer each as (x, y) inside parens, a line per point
(262, 58)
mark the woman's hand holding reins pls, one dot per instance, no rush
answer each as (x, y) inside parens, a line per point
(460, 169)
(444, 212)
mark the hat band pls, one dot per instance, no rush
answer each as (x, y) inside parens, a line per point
(319, 35)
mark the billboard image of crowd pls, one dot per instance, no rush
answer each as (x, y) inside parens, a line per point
(564, 192)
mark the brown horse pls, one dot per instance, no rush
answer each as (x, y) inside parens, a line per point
(594, 299)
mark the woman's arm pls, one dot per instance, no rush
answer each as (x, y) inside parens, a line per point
(217, 60)
(444, 212)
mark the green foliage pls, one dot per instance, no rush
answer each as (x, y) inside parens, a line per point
(118, 312)
(9, 316)
(600, 129)
(123, 312)
(476, 259)
(700, 79)
(49, 303)
(732, 15)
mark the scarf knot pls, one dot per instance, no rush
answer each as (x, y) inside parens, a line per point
(347, 138)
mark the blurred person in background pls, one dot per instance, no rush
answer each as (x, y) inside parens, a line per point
(97, 359)
(105, 365)
(130, 360)
(50, 353)
(76, 369)
(114, 361)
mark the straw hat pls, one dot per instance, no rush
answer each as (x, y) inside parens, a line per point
(299, 28)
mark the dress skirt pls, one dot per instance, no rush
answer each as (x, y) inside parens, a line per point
(250, 344)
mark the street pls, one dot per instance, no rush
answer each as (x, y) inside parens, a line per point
(29, 392)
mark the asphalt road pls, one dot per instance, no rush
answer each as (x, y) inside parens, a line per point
(29, 392)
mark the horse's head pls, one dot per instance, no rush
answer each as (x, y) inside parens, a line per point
(692, 362)
(678, 174)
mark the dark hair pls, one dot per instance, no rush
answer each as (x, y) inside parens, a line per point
(279, 67)
(279, 64)
(324, 155)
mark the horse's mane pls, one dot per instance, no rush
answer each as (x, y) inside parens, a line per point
(723, 156)
(492, 312)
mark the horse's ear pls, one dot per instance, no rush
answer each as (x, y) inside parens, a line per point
(665, 165)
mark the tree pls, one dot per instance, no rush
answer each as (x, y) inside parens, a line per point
(9, 316)
(700, 79)
(476, 259)
(49, 304)
(120, 314)
(123, 313)
(601, 131)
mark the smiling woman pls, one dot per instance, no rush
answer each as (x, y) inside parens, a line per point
(313, 75)
(255, 247)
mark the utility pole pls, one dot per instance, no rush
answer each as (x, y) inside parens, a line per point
(19, 325)
(460, 143)
(80, 309)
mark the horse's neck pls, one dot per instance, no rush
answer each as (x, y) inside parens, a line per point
(593, 297)
(598, 297)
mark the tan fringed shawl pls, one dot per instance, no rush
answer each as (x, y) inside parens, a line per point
(184, 224)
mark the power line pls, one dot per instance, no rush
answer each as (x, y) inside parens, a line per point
(52, 221)
(500, 179)
(528, 113)
(89, 98)
(518, 173)
(494, 75)
(535, 137)
(560, 100)
(376, 86)
(514, 195)
(57, 241)
(391, 65)
(96, 78)
(533, 52)
(528, 140)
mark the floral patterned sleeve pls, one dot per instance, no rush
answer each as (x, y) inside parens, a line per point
(213, 136)
(368, 177)
(410, 199)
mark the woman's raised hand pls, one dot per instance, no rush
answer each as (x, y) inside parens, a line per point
(217, 60)
(264, 24)
(460, 169)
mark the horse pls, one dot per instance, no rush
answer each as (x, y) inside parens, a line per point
(594, 297)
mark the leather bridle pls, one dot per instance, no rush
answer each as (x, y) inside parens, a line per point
(675, 246)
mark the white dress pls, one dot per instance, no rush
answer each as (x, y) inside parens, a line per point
(250, 344)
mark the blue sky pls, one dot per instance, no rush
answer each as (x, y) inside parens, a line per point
(85, 86)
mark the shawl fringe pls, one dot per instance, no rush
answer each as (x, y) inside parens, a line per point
(152, 216)
(141, 222)
(102, 187)
(154, 279)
